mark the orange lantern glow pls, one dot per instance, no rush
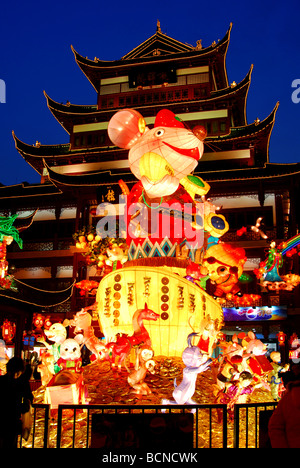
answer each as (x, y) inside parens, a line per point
(281, 338)
(8, 331)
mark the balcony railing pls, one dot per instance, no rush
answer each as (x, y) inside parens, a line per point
(154, 96)
(231, 235)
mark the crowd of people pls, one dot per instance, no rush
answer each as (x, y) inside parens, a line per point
(284, 424)
(16, 399)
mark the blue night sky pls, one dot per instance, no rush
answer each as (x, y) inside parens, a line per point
(35, 55)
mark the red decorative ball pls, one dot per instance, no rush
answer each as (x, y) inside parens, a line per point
(200, 132)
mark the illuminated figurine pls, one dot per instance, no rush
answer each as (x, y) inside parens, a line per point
(232, 367)
(237, 391)
(225, 265)
(56, 333)
(196, 273)
(274, 378)
(195, 363)
(3, 357)
(70, 356)
(121, 348)
(46, 368)
(82, 321)
(144, 363)
(38, 322)
(116, 258)
(232, 362)
(273, 263)
(256, 360)
(208, 335)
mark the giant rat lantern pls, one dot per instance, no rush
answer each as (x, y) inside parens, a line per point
(162, 159)
(165, 218)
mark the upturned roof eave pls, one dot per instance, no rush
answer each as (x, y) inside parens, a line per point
(58, 109)
(268, 171)
(129, 62)
(64, 150)
(89, 67)
(248, 130)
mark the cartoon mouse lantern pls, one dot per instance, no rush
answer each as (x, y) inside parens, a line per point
(161, 158)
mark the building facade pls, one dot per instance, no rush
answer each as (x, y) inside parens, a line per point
(77, 177)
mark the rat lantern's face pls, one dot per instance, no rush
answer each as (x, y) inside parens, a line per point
(159, 157)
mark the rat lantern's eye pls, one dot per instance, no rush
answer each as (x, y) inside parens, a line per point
(159, 132)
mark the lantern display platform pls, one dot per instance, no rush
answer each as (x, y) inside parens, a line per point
(108, 387)
(181, 304)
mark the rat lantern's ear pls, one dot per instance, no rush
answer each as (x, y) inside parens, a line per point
(126, 127)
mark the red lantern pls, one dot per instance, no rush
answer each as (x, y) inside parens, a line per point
(8, 331)
(281, 338)
(200, 132)
(47, 322)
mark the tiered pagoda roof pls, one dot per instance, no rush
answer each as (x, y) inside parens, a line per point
(159, 48)
(69, 114)
(241, 153)
(63, 155)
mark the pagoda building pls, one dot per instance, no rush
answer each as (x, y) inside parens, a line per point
(76, 177)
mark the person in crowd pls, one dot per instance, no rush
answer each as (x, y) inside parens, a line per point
(292, 374)
(284, 424)
(15, 400)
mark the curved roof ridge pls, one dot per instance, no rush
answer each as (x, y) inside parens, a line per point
(60, 106)
(94, 178)
(257, 125)
(158, 36)
(233, 87)
(98, 62)
(36, 149)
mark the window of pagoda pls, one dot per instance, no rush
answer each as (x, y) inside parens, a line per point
(89, 139)
(190, 84)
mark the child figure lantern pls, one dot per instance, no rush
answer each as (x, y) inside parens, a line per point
(274, 377)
